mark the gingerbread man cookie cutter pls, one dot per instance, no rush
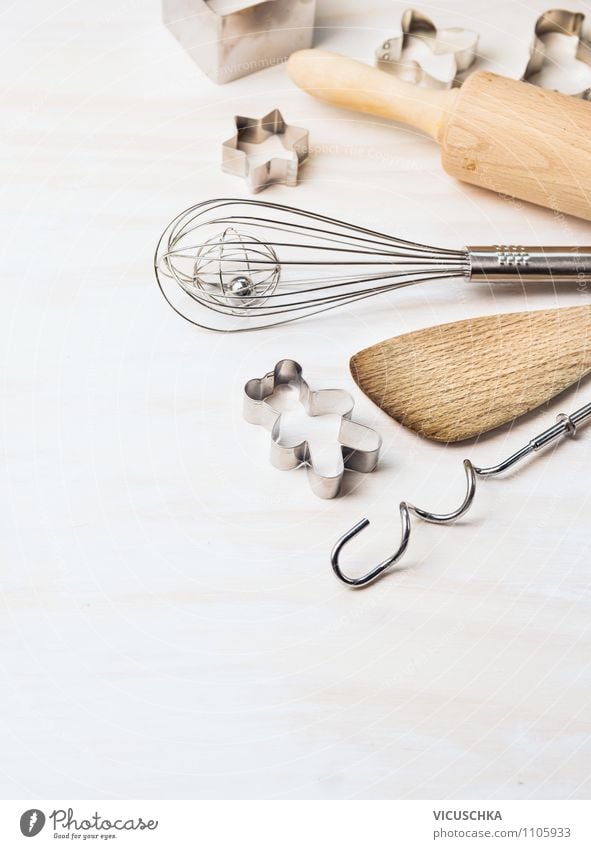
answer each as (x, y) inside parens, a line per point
(449, 52)
(358, 446)
(568, 26)
(241, 157)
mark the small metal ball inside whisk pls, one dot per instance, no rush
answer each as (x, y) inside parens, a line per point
(234, 265)
(233, 271)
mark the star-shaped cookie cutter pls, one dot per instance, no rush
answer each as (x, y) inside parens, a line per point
(239, 155)
(570, 26)
(449, 52)
(358, 446)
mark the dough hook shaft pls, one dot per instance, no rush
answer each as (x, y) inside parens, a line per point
(566, 425)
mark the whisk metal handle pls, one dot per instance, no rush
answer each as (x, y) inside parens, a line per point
(508, 263)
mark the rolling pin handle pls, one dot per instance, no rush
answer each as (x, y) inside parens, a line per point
(354, 85)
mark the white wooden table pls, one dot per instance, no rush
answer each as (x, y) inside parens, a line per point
(170, 625)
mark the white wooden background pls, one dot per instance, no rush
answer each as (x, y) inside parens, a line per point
(170, 626)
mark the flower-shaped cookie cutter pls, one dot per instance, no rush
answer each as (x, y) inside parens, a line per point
(241, 158)
(449, 51)
(358, 446)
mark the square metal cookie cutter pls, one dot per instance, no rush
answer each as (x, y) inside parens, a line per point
(229, 39)
(239, 158)
(450, 51)
(358, 446)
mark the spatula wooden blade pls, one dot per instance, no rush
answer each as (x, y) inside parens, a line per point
(461, 379)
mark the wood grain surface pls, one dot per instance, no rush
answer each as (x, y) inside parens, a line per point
(461, 379)
(521, 140)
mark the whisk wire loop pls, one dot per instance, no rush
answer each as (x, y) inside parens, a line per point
(254, 264)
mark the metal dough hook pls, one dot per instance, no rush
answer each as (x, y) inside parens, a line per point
(566, 425)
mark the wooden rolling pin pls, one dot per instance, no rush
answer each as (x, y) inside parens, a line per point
(459, 380)
(511, 137)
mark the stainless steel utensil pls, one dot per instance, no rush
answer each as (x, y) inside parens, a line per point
(233, 265)
(566, 425)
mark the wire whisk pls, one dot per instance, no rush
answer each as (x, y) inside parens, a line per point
(565, 425)
(254, 264)
(233, 265)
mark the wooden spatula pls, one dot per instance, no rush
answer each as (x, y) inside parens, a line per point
(461, 379)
